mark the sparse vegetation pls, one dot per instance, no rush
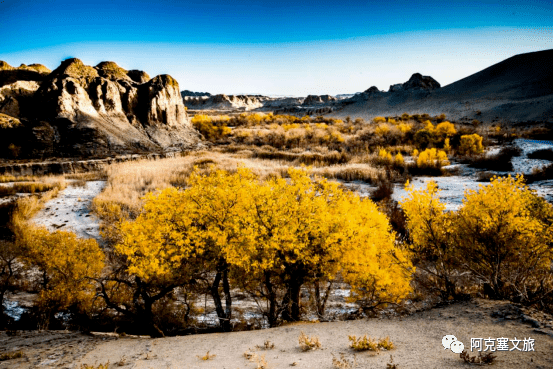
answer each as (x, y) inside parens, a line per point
(481, 359)
(206, 357)
(365, 343)
(11, 355)
(307, 344)
(342, 362)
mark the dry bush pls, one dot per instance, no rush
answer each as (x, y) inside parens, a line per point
(392, 364)
(352, 172)
(486, 359)
(11, 355)
(498, 162)
(541, 173)
(206, 357)
(260, 361)
(546, 154)
(96, 366)
(266, 345)
(368, 344)
(343, 362)
(307, 343)
(363, 343)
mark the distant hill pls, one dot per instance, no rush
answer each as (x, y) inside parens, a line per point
(518, 89)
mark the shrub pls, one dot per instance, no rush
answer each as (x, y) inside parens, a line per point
(432, 241)
(343, 362)
(501, 235)
(504, 230)
(307, 344)
(368, 344)
(501, 161)
(379, 119)
(423, 138)
(445, 129)
(67, 267)
(546, 154)
(471, 144)
(206, 357)
(11, 355)
(363, 344)
(382, 129)
(432, 158)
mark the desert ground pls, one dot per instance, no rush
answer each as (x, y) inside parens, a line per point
(417, 338)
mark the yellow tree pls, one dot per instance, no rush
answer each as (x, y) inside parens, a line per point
(308, 232)
(68, 268)
(504, 237)
(181, 236)
(431, 233)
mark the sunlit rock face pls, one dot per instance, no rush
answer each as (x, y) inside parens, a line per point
(102, 110)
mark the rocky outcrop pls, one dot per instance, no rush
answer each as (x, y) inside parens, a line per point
(418, 82)
(318, 100)
(99, 111)
(225, 102)
(10, 75)
(192, 93)
(16, 98)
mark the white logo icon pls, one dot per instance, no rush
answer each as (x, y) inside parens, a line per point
(447, 340)
(457, 347)
(451, 342)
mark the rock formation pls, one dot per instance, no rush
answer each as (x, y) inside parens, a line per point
(192, 93)
(318, 99)
(79, 110)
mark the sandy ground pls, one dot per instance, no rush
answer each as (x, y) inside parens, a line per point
(418, 340)
(70, 211)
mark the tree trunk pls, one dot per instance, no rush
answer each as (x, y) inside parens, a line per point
(228, 301)
(291, 302)
(321, 303)
(271, 296)
(224, 322)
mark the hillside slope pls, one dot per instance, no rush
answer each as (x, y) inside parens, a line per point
(517, 89)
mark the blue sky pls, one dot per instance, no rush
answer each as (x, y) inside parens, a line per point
(278, 47)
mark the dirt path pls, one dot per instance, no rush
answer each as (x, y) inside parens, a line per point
(70, 211)
(418, 339)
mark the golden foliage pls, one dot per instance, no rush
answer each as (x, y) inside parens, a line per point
(500, 234)
(365, 343)
(67, 263)
(445, 129)
(432, 158)
(471, 144)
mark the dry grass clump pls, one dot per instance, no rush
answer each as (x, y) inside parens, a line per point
(96, 366)
(206, 357)
(343, 363)
(365, 343)
(11, 355)
(482, 359)
(352, 172)
(266, 345)
(307, 344)
(260, 361)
